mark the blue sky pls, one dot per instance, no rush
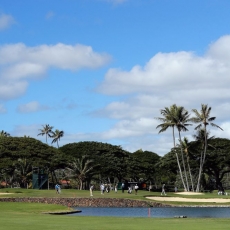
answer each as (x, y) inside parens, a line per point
(101, 70)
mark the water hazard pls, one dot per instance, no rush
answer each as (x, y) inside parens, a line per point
(172, 212)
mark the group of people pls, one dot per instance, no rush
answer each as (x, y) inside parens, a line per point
(106, 188)
(130, 189)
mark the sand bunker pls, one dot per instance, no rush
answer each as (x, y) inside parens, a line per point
(2, 193)
(189, 193)
(182, 199)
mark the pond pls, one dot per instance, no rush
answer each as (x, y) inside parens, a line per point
(171, 212)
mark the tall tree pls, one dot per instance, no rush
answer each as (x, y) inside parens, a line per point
(169, 121)
(24, 171)
(111, 160)
(56, 135)
(142, 164)
(203, 119)
(81, 168)
(46, 130)
(180, 118)
(186, 149)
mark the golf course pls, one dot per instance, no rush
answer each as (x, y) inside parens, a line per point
(23, 215)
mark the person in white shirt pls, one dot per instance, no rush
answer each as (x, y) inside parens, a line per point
(102, 189)
(136, 189)
(91, 190)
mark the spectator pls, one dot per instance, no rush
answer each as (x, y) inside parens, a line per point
(57, 188)
(163, 190)
(91, 190)
(102, 187)
(136, 189)
(123, 187)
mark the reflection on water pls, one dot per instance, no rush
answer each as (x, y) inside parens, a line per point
(193, 212)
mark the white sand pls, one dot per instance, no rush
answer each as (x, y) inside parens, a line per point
(189, 193)
(2, 193)
(182, 199)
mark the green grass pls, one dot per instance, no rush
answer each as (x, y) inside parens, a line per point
(22, 216)
(96, 194)
(26, 216)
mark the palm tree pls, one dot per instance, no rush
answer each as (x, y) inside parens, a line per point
(200, 137)
(180, 118)
(169, 121)
(81, 168)
(203, 119)
(186, 149)
(24, 170)
(4, 134)
(56, 135)
(46, 130)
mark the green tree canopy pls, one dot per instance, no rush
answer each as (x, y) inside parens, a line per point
(111, 160)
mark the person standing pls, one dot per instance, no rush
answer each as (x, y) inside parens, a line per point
(175, 189)
(163, 190)
(91, 190)
(115, 188)
(123, 187)
(136, 189)
(102, 189)
(57, 188)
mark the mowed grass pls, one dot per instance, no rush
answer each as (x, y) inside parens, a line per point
(30, 215)
(25, 216)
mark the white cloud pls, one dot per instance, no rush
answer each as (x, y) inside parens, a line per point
(130, 128)
(12, 89)
(6, 21)
(167, 72)
(19, 63)
(183, 78)
(30, 107)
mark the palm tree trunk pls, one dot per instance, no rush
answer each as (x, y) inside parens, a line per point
(202, 160)
(182, 157)
(178, 162)
(199, 175)
(190, 174)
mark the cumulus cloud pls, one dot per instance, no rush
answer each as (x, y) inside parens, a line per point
(181, 78)
(168, 71)
(19, 63)
(30, 107)
(6, 21)
(12, 89)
